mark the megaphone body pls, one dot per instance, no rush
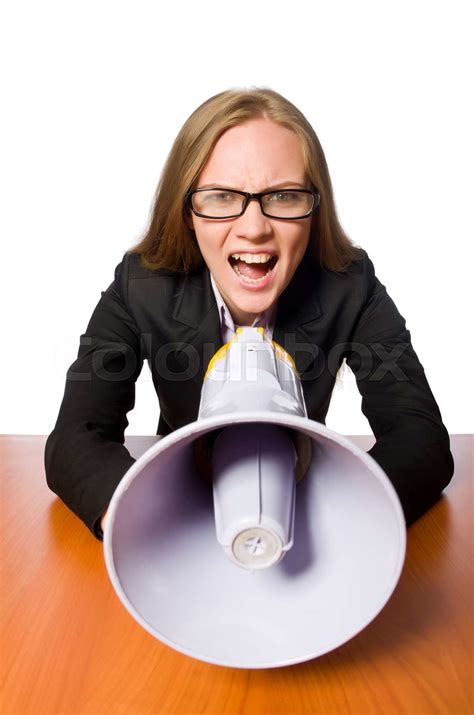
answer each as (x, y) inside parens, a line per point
(254, 537)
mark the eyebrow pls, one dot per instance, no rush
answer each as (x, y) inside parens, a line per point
(282, 185)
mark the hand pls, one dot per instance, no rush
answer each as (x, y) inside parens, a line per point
(103, 520)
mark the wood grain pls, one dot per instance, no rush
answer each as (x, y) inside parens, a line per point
(69, 646)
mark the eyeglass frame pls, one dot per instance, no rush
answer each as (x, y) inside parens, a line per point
(248, 197)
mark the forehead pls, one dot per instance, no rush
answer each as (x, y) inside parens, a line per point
(254, 155)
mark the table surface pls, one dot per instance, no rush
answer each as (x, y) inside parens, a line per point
(69, 646)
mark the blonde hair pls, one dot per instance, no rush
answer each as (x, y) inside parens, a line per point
(169, 242)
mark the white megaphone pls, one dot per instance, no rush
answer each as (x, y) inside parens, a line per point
(254, 537)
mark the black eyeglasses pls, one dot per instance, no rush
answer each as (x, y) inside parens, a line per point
(287, 204)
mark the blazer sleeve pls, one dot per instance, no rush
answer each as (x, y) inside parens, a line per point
(412, 444)
(85, 457)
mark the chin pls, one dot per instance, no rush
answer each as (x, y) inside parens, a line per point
(253, 307)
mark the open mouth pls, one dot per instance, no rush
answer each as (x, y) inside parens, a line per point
(252, 267)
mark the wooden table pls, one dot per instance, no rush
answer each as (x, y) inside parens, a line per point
(69, 646)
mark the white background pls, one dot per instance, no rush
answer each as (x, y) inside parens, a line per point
(93, 94)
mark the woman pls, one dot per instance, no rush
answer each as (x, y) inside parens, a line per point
(244, 231)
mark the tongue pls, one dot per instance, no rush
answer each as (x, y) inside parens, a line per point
(252, 270)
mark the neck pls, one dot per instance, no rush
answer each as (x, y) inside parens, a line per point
(243, 319)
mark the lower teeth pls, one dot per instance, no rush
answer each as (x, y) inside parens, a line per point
(246, 279)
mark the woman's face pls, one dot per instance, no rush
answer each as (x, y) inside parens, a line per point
(256, 156)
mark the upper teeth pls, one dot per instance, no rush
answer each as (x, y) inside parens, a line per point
(252, 257)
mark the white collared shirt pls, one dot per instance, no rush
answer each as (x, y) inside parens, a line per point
(265, 320)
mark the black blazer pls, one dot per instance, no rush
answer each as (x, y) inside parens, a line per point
(173, 322)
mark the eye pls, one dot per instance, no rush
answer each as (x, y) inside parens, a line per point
(219, 197)
(283, 197)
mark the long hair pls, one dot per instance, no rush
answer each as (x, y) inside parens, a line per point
(169, 242)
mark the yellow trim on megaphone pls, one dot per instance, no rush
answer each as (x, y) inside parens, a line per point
(280, 353)
(285, 356)
(239, 331)
(219, 355)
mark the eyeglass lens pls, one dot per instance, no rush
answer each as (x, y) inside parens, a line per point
(217, 203)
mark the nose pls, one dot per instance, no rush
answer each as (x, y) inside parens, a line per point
(253, 224)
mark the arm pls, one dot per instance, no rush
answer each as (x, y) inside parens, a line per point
(412, 444)
(85, 457)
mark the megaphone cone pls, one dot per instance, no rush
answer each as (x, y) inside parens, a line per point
(341, 532)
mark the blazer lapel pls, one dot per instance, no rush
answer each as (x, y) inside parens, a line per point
(299, 316)
(196, 308)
